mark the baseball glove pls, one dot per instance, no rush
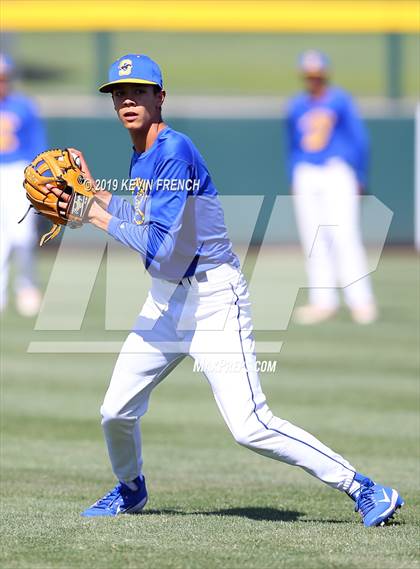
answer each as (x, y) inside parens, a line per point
(61, 169)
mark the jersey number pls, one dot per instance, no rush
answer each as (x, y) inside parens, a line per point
(8, 137)
(317, 127)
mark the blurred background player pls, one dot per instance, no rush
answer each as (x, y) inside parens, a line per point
(328, 160)
(21, 138)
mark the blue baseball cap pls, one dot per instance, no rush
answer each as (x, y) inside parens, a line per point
(133, 68)
(314, 63)
(7, 66)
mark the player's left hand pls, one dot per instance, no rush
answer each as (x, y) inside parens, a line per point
(63, 199)
(97, 215)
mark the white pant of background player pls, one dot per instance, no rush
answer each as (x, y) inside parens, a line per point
(17, 238)
(210, 321)
(327, 212)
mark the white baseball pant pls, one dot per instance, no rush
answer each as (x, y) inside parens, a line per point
(327, 210)
(14, 236)
(209, 321)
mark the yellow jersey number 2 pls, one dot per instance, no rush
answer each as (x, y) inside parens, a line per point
(9, 123)
(317, 126)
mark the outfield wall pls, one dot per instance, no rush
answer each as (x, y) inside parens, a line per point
(207, 15)
(246, 156)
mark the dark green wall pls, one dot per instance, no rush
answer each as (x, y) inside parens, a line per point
(247, 157)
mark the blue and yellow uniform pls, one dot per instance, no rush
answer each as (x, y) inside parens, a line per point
(328, 166)
(177, 222)
(22, 134)
(177, 226)
(319, 129)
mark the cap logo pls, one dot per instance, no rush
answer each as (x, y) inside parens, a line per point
(125, 66)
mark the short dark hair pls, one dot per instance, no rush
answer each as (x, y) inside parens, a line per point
(157, 89)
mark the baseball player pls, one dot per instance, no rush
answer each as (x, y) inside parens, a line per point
(198, 306)
(21, 137)
(328, 159)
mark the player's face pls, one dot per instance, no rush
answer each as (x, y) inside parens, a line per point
(314, 84)
(137, 106)
(4, 86)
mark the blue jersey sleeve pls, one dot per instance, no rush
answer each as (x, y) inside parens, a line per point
(155, 238)
(359, 139)
(121, 208)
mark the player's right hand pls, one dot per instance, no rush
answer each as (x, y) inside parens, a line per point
(83, 165)
(102, 196)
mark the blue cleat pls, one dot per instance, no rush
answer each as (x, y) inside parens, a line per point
(376, 504)
(121, 500)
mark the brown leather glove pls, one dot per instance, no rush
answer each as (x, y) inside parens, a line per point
(69, 197)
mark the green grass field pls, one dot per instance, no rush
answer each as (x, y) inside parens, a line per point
(212, 503)
(216, 63)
